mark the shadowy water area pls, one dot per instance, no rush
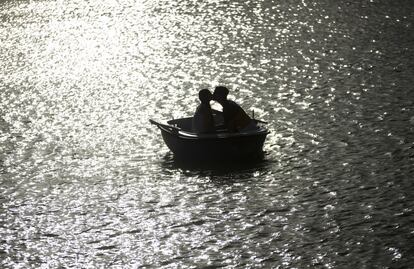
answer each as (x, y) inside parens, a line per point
(87, 182)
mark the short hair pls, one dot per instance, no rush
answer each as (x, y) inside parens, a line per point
(204, 95)
(221, 91)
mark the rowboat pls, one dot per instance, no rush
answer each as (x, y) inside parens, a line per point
(221, 145)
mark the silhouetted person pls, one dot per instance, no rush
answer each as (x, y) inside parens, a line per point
(203, 121)
(235, 118)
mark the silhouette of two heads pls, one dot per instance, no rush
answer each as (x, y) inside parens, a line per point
(219, 95)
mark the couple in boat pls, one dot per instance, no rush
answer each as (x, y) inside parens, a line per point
(235, 118)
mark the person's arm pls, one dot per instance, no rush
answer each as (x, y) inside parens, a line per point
(230, 111)
(229, 123)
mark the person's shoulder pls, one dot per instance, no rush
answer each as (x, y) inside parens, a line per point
(233, 105)
(199, 107)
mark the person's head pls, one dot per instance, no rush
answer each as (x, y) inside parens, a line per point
(205, 96)
(220, 94)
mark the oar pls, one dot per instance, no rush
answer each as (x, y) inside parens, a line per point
(260, 121)
(165, 126)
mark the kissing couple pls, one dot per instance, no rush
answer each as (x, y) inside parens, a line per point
(235, 118)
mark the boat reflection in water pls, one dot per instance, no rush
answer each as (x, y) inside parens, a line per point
(218, 172)
(219, 146)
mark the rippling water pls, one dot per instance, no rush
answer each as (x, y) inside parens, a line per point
(86, 182)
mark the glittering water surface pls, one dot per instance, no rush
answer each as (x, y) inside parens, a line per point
(86, 182)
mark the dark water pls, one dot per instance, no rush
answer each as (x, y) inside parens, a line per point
(86, 182)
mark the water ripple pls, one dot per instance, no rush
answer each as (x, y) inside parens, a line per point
(85, 181)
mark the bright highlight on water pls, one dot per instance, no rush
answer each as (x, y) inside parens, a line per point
(87, 182)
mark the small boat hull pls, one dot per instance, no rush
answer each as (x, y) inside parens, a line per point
(238, 147)
(219, 146)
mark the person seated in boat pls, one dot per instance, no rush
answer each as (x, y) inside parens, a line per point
(235, 118)
(203, 121)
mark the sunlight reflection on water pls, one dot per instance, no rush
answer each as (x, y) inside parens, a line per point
(87, 182)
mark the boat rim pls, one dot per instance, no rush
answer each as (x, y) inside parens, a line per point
(224, 135)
